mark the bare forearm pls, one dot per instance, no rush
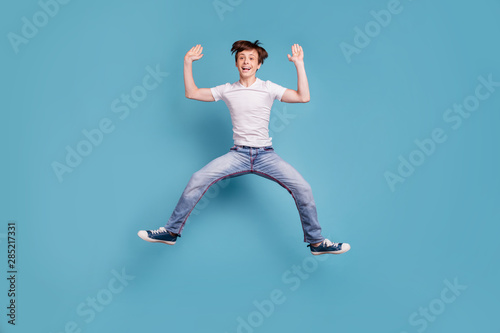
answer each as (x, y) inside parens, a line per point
(189, 85)
(302, 84)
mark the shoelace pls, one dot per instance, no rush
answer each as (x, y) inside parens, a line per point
(329, 243)
(160, 230)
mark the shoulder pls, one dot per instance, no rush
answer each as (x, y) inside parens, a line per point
(274, 87)
(270, 84)
(223, 87)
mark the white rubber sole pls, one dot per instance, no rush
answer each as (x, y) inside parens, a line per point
(330, 252)
(144, 235)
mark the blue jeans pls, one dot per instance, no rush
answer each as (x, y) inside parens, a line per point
(241, 160)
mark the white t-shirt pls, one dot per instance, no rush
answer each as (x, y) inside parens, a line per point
(250, 109)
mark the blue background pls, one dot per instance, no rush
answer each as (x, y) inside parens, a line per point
(73, 235)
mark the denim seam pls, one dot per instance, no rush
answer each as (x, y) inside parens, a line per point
(253, 159)
(290, 191)
(201, 196)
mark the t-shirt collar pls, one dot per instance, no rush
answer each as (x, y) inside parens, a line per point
(256, 79)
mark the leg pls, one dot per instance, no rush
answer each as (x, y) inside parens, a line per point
(268, 164)
(229, 165)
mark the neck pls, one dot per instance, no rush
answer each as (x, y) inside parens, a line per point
(247, 81)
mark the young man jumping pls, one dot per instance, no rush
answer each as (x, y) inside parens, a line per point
(249, 101)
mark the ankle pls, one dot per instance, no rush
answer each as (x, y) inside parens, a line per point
(316, 244)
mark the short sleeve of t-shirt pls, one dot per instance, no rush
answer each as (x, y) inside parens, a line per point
(275, 90)
(217, 91)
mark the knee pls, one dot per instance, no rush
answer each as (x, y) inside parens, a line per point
(301, 189)
(197, 179)
(304, 186)
(304, 191)
(196, 176)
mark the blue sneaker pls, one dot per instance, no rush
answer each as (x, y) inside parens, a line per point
(329, 247)
(157, 236)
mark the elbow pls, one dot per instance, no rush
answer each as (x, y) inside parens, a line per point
(306, 99)
(192, 93)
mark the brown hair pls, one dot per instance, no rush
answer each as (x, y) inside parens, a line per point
(243, 45)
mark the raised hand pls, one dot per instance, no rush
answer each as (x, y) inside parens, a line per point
(194, 54)
(297, 54)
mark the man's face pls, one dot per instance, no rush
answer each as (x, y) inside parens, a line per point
(248, 63)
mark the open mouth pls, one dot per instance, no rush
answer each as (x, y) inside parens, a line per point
(245, 69)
